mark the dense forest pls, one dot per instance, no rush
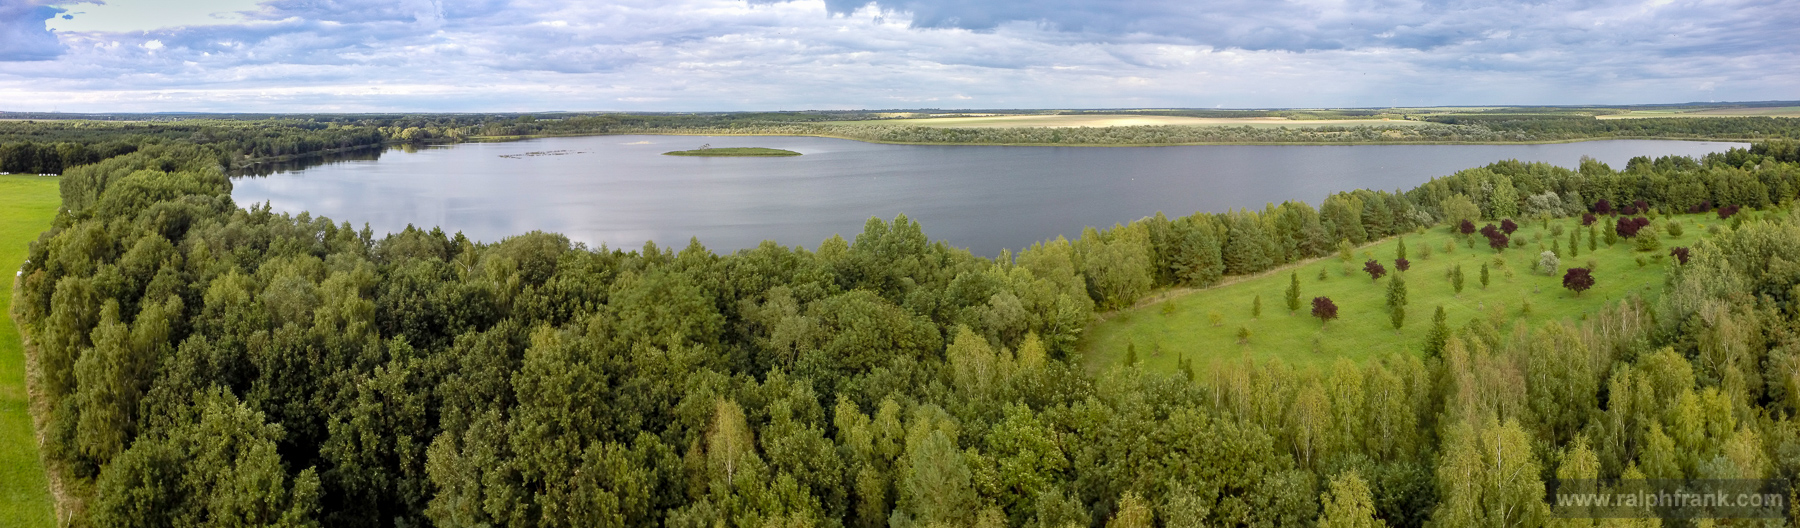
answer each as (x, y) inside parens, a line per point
(206, 364)
(251, 141)
(52, 147)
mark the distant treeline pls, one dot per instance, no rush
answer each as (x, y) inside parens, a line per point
(1562, 127)
(1446, 129)
(206, 364)
(51, 146)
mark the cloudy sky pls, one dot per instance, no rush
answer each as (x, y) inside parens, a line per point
(538, 55)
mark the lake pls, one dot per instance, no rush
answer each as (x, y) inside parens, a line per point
(621, 191)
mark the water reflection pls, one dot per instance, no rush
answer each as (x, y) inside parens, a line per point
(620, 191)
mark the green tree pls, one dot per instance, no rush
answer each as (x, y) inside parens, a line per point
(1118, 270)
(1349, 503)
(1400, 251)
(1256, 307)
(1439, 334)
(1195, 257)
(936, 480)
(1503, 202)
(1458, 208)
(1246, 249)
(220, 467)
(1484, 275)
(1456, 279)
(1396, 301)
(1293, 293)
(1488, 476)
(1396, 291)
(1133, 512)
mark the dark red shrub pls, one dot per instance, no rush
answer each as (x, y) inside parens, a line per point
(1628, 210)
(1588, 219)
(1509, 226)
(1498, 241)
(1726, 211)
(1629, 227)
(1402, 264)
(1375, 270)
(1603, 207)
(1578, 280)
(1641, 205)
(1324, 309)
(1703, 206)
(1680, 254)
(1466, 227)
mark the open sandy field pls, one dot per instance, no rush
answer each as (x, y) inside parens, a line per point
(1783, 111)
(1052, 121)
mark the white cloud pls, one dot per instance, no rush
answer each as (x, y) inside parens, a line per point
(455, 55)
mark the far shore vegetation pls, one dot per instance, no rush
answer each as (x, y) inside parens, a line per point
(46, 143)
(734, 152)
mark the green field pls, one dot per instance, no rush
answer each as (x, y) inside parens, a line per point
(27, 204)
(1107, 120)
(734, 152)
(1780, 111)
(1362, 329)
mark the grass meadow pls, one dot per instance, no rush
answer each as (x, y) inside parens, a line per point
(1178, 323)
(27, 204)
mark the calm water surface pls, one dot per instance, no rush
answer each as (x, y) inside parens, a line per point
(620, 191)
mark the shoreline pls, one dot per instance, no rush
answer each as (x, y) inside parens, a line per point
(504, 139)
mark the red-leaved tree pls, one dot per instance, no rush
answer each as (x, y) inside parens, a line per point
(1578, 280)
(1629, 227)
(1402, 264)
(1680, 254)
(1375, 269)
(1324, 309)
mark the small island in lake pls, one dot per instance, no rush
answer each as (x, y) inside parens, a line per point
(733, 152)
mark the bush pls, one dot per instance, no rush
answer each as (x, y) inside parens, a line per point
(1628, 227)
(1680, 254)
(1374, 269)
(1674, 228)
(1324, 309)
(1647, 241)
(1548, 262)
(1578, 280)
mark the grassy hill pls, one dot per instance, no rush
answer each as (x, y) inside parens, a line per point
(27, 204)
(1178, 323)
